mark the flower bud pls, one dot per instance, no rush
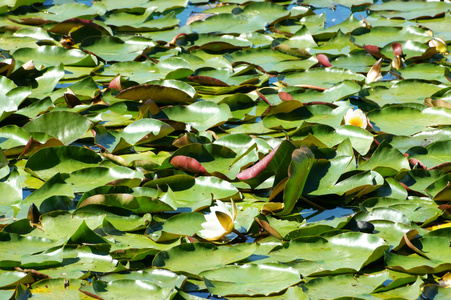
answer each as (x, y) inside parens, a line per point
(374, 74)
(439, 44)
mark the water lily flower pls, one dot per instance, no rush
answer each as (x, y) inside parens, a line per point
(374, 74)
(188, 127)
(219, 222)
(356, 118)
(439, 44)
(398, 62)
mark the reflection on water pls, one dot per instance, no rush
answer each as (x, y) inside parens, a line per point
(57, 2)
(313, 215)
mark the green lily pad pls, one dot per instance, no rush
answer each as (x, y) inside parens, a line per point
(89, 178)
(386, 156)
(359, 286)
(433, 154)
(160, 277)
(410, 91)
(11, 279)
(22, 247)
(57, 288)
(164, 92)
(65, 126)
(360, 139)
(412, 10)
(342, 253)
(49, 161)
(206, 257)
(324, 78)
(119, 289)
(380, 36)
(397, 119)
(262, 279)
(436, 249)
(52, 55)
(200, 115)
(115, 49)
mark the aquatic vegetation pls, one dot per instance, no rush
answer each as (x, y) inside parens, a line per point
(242, 149)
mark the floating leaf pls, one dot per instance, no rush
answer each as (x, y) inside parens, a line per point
(49, 161)
(432, 155)
(161, 92)
(65, 126)
(262, 279)
(437, 249)
(356, 286)
(205, 257)
(397, 119)
(200, 115)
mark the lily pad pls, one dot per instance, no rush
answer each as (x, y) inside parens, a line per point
(164, 92)
(266, 279)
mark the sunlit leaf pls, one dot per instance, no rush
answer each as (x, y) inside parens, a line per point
(206, 257)
(262, 279)
(65, 126)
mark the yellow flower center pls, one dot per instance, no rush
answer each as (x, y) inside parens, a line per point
(356, 121)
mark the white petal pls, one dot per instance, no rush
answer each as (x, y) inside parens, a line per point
(359, 114)
(210, 235)
(349, 114)
(212, 226)
(211, 217)
(374, 74)
(211, 231)
(222, 207)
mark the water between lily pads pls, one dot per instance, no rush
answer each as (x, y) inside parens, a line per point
(313, 215)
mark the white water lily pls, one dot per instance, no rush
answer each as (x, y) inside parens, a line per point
(374, 74)
(219, 222)
(188, 127)
(356, 118)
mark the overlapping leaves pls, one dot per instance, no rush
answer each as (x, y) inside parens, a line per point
(122, 123)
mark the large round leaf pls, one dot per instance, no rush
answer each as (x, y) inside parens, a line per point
(381, 35)
(361, 139)
(201, 115)
(161, 92)
(115, 49)
(145, 131)
(433, 154)
(16, 247)
(57, 288)
(203, 256)
(342, 253)
(436, 250)
(125, 288)
(321, 114)
(49, 161)
(324, 78)
(354, 286)
(53, 55)
(387, 160)
(408, 91)
(63, 125)
(262, 279)
(403, 120)
(89, 178)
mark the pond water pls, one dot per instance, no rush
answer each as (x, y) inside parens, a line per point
(223, 100)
